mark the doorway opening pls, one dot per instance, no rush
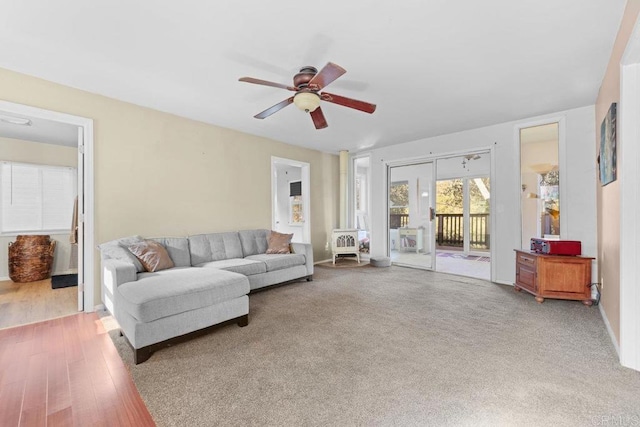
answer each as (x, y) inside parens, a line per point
(46, 185)
(439, 214)
(291, 198)
(361, 206)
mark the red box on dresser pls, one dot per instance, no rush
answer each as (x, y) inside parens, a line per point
(556, 247)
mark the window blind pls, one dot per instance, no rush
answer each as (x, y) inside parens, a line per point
(36, 198)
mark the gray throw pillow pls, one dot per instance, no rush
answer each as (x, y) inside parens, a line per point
(118, 249)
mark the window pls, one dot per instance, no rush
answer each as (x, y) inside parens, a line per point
(296, 211)
(36, 198)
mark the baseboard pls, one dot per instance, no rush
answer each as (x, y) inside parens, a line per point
(609, 330)
(99, 307)
(5, 278)
(503, 282)
(324, 260)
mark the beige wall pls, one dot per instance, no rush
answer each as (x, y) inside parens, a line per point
(16, 150)
(608, 198)
(157, 174)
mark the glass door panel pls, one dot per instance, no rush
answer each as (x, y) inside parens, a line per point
(479, 202)
(411, 214)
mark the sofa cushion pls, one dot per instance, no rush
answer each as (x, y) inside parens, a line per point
(152, 255)
(178, 290)
(279, 243)
(178, 248)
(214, 247)
(279, 261)
(244, 266)
(254, 241)
(117, 249)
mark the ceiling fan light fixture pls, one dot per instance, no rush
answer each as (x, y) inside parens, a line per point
(307, 101)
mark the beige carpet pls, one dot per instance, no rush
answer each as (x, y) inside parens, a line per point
(394, 346)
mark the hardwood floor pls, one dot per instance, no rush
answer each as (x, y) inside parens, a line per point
(22, 303)
(66, 372)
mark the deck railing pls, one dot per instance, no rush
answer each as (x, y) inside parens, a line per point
(398, 220)
(449, 229)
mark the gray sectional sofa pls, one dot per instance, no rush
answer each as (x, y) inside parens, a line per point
(208, 286)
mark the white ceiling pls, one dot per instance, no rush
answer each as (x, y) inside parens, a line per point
(432, 67)
(40, 130)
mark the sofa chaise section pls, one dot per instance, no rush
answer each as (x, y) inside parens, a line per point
(157, 308)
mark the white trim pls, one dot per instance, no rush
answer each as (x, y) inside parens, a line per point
(609, 329)
(99, 307)
(87, 127)
(629, 173)
(4, 278)
(502, 282)
(492, 212)
(322, 261)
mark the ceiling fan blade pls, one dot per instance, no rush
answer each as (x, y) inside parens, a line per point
(274, 109)
(348, 102)
(328, 74)
(318, 119)
(266, 83)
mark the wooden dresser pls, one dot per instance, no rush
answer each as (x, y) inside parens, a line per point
(554, 276)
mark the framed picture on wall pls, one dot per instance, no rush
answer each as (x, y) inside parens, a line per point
(608, 160)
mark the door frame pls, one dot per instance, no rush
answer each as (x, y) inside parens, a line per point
(351, 196)
(305, 176)
(432, 208)
(86, 284)
(629, 158)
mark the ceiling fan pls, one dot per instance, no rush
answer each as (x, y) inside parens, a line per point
(307, 85)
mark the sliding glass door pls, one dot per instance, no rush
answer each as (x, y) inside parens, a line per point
(411, 214)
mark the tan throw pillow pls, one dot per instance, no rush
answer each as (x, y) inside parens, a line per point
(279, 243)
(152, 255)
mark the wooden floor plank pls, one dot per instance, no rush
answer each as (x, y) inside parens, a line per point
(62, 418)
(23, 303)
(11, 403)
(66, 372)
(35, 389)
(58, 388)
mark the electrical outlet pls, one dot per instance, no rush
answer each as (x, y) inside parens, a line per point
(601, 282)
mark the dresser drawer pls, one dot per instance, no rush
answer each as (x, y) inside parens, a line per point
(526, 259)
(526, 277)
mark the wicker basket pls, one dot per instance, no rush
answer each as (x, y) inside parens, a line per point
(31, 258)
